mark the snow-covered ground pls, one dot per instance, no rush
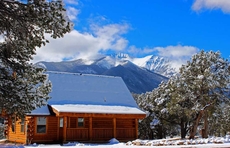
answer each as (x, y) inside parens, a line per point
(214, 142)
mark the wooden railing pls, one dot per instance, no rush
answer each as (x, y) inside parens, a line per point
(102, 133)
(77, 134)
(126, 133)
(73, 134)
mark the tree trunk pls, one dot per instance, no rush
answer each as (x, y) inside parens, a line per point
(160, 132)
(205, 131)
(183, 127)
(195, 125)
(151, 134)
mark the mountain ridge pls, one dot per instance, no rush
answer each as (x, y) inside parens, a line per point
(140, 75)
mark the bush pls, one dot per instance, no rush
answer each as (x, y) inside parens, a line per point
(2, 127)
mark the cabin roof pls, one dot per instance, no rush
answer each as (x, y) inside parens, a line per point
(75, 88)
(74, 92)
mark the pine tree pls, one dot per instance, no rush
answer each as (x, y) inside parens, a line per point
(158, 123)
(24, 87)
(219, 122)
(207, 80)
(171, 98)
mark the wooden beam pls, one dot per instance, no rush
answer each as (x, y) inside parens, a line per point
(136, 127)
(90, 128)
(114, 128)
(58, 127)
(64, 128)
(55, 111)
(68, 121)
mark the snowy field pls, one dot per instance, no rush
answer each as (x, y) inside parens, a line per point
(170, 143)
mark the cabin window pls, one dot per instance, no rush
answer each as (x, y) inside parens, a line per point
(41, 125)
(13, 124)
(60, 122)
(76, 122)
(23, 125)
(80, 122)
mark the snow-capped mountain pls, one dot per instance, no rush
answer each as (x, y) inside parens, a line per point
(156, 64)
(153, 63)
(139, 74)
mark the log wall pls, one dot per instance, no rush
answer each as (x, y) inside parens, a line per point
(51, 131)
(16, 136)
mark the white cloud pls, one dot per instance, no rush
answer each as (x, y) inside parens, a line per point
(112, 34)
(224, 5)
(176, 51)
(73, 2)
(177, 54)
(72, 13)
(76, 45)
(139, 51)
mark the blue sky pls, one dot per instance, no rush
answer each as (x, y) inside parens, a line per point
(175, 29)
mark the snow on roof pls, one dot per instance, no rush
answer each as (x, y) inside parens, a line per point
(97, 109)
(75, 88)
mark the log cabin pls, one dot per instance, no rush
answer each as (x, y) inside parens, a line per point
(82, 108)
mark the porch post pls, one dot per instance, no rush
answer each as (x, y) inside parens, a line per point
(114, 128)
(90, 129)
(136, 127)
(64, 128)
(58, 127)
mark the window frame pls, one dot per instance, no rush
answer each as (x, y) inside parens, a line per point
(13, 124)
(61, 122)
(78, 122)
(37, 121)
(22, 125)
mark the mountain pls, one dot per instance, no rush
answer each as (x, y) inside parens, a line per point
(137, 79)
(140, 75)
(156, 64)
(153, 63)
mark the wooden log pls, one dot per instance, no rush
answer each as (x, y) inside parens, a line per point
(114, 128)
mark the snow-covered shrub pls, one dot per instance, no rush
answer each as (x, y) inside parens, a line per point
(2, 128)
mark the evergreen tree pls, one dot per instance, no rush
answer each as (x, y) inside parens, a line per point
(24, 87)
(158, 123)
(219, 122)
(173, 103)
(206, 78)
